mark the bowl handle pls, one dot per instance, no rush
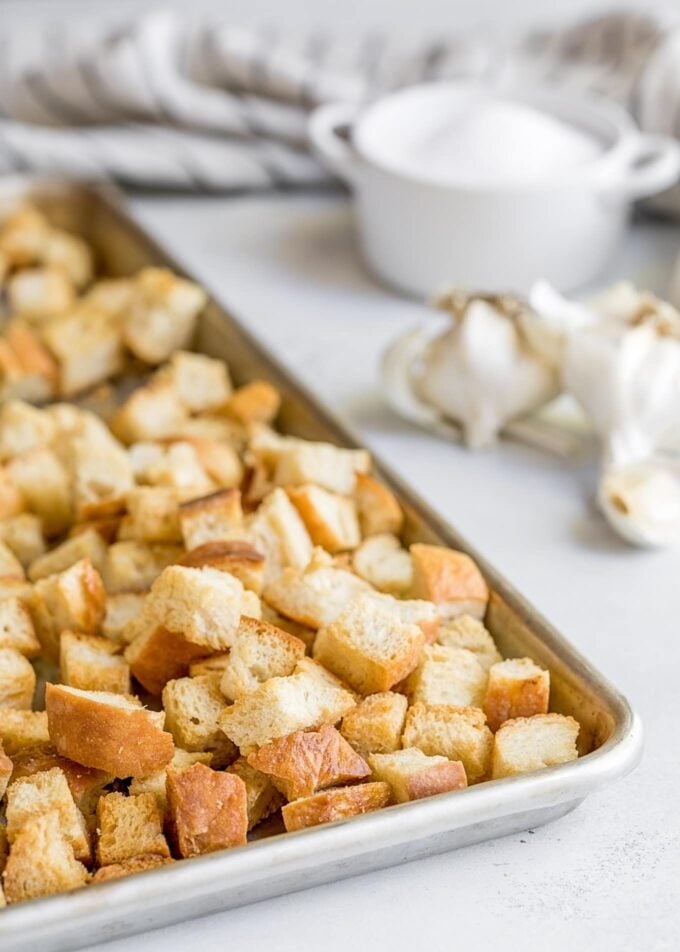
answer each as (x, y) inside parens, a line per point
(333, 150)
(650, 165)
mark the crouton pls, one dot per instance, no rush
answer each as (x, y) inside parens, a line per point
(121, 608)
(176, 465)
(459, 733)
(262, 797)
(376, 724)
(40, 793)
(74, 598)
(157, 655)
(280, 706)
(28, 371)
(40, 294)
(238, 558)
(41, 861)
(377, 507)
(86, 545)
(412, 775)
(316, 596)
(136, 864)
(85, 783)
(384, 564)
(220, 461)
(133, 566)
(202, 383)
(17, 631)
(23, 535)
(207, 810)
(23, 236)
(23, 428)
(162, 314)
(92, 664)
(330, 518)
(336, 804)
(128, 826)
(193, 707)
(87, 346)
(211, 518)
(213, 666)
(307, 761)
(112, 295)
(15, 588)
(111, 732)
(254, 402)
(155, 782)
(70, 254)
(369, 646)
(44, 486)
(277, 531)
(294, 462)
(6, 768)
(153, 515)
(525, 744)
(469, 633)
(99, 469)
(516, 688)
(12, 501)
(10, 566)
(17, 681)
(450, 579)
(260, 651)
(20, 730)
(303, 632)
(149, 413)
(448, 676)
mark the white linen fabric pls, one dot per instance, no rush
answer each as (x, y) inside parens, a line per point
(162, 103)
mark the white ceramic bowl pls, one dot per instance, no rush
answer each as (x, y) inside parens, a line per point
(419, 232)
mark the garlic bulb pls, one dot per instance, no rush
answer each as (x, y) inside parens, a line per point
(642, 503)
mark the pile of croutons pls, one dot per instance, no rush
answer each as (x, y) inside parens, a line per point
(252, 589)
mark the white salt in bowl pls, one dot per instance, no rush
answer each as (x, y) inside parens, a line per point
(456, 184)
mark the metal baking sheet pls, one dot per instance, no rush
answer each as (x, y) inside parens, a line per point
(611, 735)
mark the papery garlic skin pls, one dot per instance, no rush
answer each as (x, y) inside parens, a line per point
(482, 373)
(642, 504)
(551, 320)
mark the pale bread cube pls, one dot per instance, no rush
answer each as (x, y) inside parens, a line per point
(71, 254)
(41, 862)
(294, 462)
(28, 371)
(384, 564)
(469, 633)
(40, 793)
(86, 545)
(74, 599)
(128, 826)
(193, 707)
(92, 664)
(202, 383)
(10, 566)
(412, 775)
(22, 533)
(236, 558)
(87, 346)
(211, 518)
(260, 651)
(516, 688)
(23, 236)
(525, 744)
(121, 608)
(150, 413)
(448, 676)
(17, 630)
(23, 428)
(153, 515)
(459, 733)
(175, 465)
(17, 681)
(377, 506)
(23, 730)
(40, 294)
(162, 314)
(133, 566)
(44, 485)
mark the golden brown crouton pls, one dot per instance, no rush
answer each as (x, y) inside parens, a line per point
(136, 864)
(41, 861)
(6, 768)
(111, 732)
(10, 566)
(459, 733)
(448, 676)
(17, 681)
(22, 428)
(260, 651)
(153, 515)
(384, 564)
(238, 558)
(525, 744)
(128, 826)
(376, 724)
(86, 545)
(173, 465)
(262, 797)
(74, 598)
(207, 810)
(20, 730)
(378, 509)
(220, 461)
(412, 775)
(450, 579)
(162, 314)
(150, 413)
(85, 783)
(193, 707)
(211, 518)
(71, 254)
(336, 804)
(44, 485)
(307, 761)
(277, 531)
(155, 782)
(254, 402)
(516, 688)
(12, 501)
(16, 628)
(469, 633)
(201, 383)
(23, 535)
(121, 609)
(331, 519)
(23, 236)
(92, 664)
(88, 348)
(27, 369)
(40, 793)
(133, 566)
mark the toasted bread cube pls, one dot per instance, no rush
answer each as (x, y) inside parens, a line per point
(303, 632)
(316, 596)
(44, 485)
(23, 236)
(469, 633)
(219, 460)
(193, 707)
(448, 676)
(176, 465)
(525, 744)
(153, 514)
(369, 646)
(213, 666)
(99, 469)
(260, 651)
(10, 566)
(41, 793)
(336, 804)
(17, 681)
(262, 797)
(87, 346)
(23, 428)
(236, 558)
(207, 810)
(41, 861)
(254, 402)
(12, 500)
(332, 467)
(85, 783)
(162, 314)
(331, 519)
(128, 826)
(376, 724)
(91, 663)
(211, 518)
(111, 732)
(28, 371)
(378, 509)
(516, 688)
(121, 609)
(277, 531)
(21, 730)
(136, 864)
(459, 733)
(155, 783)
(16, 628)
(304, 700)
(152, 412)
(202, 383)
(6, 768)
(86, 545)
(450, 579)
(74, 598)
(157, 655)
(384, 564)
(23, 535)
(133, 566)
(71, 254)
(112, 295)
(40, 294)
(307, 761)
(412, 775)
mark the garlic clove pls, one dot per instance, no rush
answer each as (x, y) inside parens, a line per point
(551, 320)
(642, 504)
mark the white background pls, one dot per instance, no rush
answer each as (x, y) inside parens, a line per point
(607, 876)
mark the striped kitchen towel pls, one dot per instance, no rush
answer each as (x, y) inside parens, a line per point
(163, 103)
